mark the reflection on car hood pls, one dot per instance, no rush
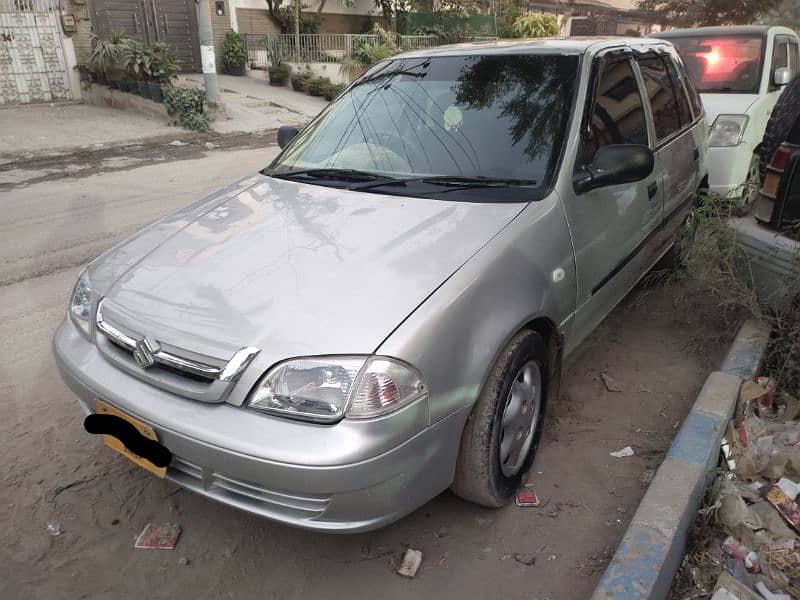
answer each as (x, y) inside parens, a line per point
(299, 269)
(726, 104)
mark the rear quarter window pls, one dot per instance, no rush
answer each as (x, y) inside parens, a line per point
(660, 86)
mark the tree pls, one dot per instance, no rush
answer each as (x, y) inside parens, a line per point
(532, 25)
(785, 13)
(695, 13)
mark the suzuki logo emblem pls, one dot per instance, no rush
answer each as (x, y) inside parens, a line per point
(144, 352)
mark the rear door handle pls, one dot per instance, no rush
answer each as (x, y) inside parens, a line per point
(651, 190)
(695, 154)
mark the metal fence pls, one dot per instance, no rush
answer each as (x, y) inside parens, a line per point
(22, 6)
(321, 47)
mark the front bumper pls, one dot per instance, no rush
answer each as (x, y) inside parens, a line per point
(728, 168)
(348, 477)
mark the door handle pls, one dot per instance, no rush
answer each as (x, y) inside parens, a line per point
(136, 22)
(651, 190)
(695, 154)
(166, 23)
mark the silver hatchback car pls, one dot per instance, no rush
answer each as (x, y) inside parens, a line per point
(381, 313)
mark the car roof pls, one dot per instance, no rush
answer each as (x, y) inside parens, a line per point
(720, 31)
(569, 46)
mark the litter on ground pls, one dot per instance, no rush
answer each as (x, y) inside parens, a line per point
(747, 537)
(412, 559)
(626, 451)
(161, 536)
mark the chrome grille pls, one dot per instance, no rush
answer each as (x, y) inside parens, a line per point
(180, 371)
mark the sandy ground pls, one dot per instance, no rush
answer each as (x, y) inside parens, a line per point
(659, 344)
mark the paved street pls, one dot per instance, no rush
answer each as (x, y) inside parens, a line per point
(660, 345)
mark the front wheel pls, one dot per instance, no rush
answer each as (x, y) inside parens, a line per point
(503, 431)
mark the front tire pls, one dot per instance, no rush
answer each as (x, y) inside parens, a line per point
(502, 433)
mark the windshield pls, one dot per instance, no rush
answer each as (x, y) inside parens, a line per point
(498, 118)
(728, 64)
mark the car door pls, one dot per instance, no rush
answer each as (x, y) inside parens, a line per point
(676, 150)
(612, 226)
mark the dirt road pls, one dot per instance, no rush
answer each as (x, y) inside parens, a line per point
(659, 345)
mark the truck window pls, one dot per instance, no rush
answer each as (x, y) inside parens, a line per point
(794, 58)
(780, 57)
(723, 64)
(663, 99)
(618, 113)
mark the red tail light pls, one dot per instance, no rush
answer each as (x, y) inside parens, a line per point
(780, 158)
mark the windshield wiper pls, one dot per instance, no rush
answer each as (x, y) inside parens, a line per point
(332, 173)
(476, 181)
(408, 71)
(452, 181)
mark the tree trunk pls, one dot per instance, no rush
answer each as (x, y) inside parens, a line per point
(321, 6)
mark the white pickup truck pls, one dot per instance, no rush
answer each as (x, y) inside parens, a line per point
(739, 72)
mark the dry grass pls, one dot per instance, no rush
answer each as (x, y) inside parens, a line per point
(719, 266)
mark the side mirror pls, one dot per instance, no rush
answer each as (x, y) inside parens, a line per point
(286, 134)
(615, 165)
(781, 76)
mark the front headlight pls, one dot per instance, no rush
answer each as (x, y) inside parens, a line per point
(727, 130)
(80, 303)
(327, 388)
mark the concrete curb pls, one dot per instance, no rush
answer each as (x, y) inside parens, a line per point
(651, 550)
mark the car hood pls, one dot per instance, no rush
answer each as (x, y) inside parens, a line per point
(297, 269)
(726, 104)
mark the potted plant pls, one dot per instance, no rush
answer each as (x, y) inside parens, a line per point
(163, 68)
(297, 80)
(234, 54)
(278, 70)
(137, 65)
(107, 60)
(315, 85)
(332, 90)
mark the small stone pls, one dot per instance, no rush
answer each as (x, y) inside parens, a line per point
(612, 385)
(54, 528)
(115, 522)
(646, 478)
(525, 558)
(210, 146)
(177, 143)
(412, 559)
(183, 561)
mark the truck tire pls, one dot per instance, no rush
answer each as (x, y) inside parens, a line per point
(783, 124)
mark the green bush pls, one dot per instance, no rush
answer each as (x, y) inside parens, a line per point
(279, 74)
(314, 86)
(164, 64)
(234, 53)
(188, 107)
(332, 90)
(531, 25)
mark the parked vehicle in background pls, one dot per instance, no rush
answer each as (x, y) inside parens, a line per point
(382, 312)
(769, 235)
(739, 72)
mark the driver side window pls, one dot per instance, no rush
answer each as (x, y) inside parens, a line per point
(618, 113)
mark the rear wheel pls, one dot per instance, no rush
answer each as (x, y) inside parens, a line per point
(503, 431)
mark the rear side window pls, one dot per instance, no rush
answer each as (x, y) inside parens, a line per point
(688, 98)
(661, 90)
(794, 58)
(617, 116)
